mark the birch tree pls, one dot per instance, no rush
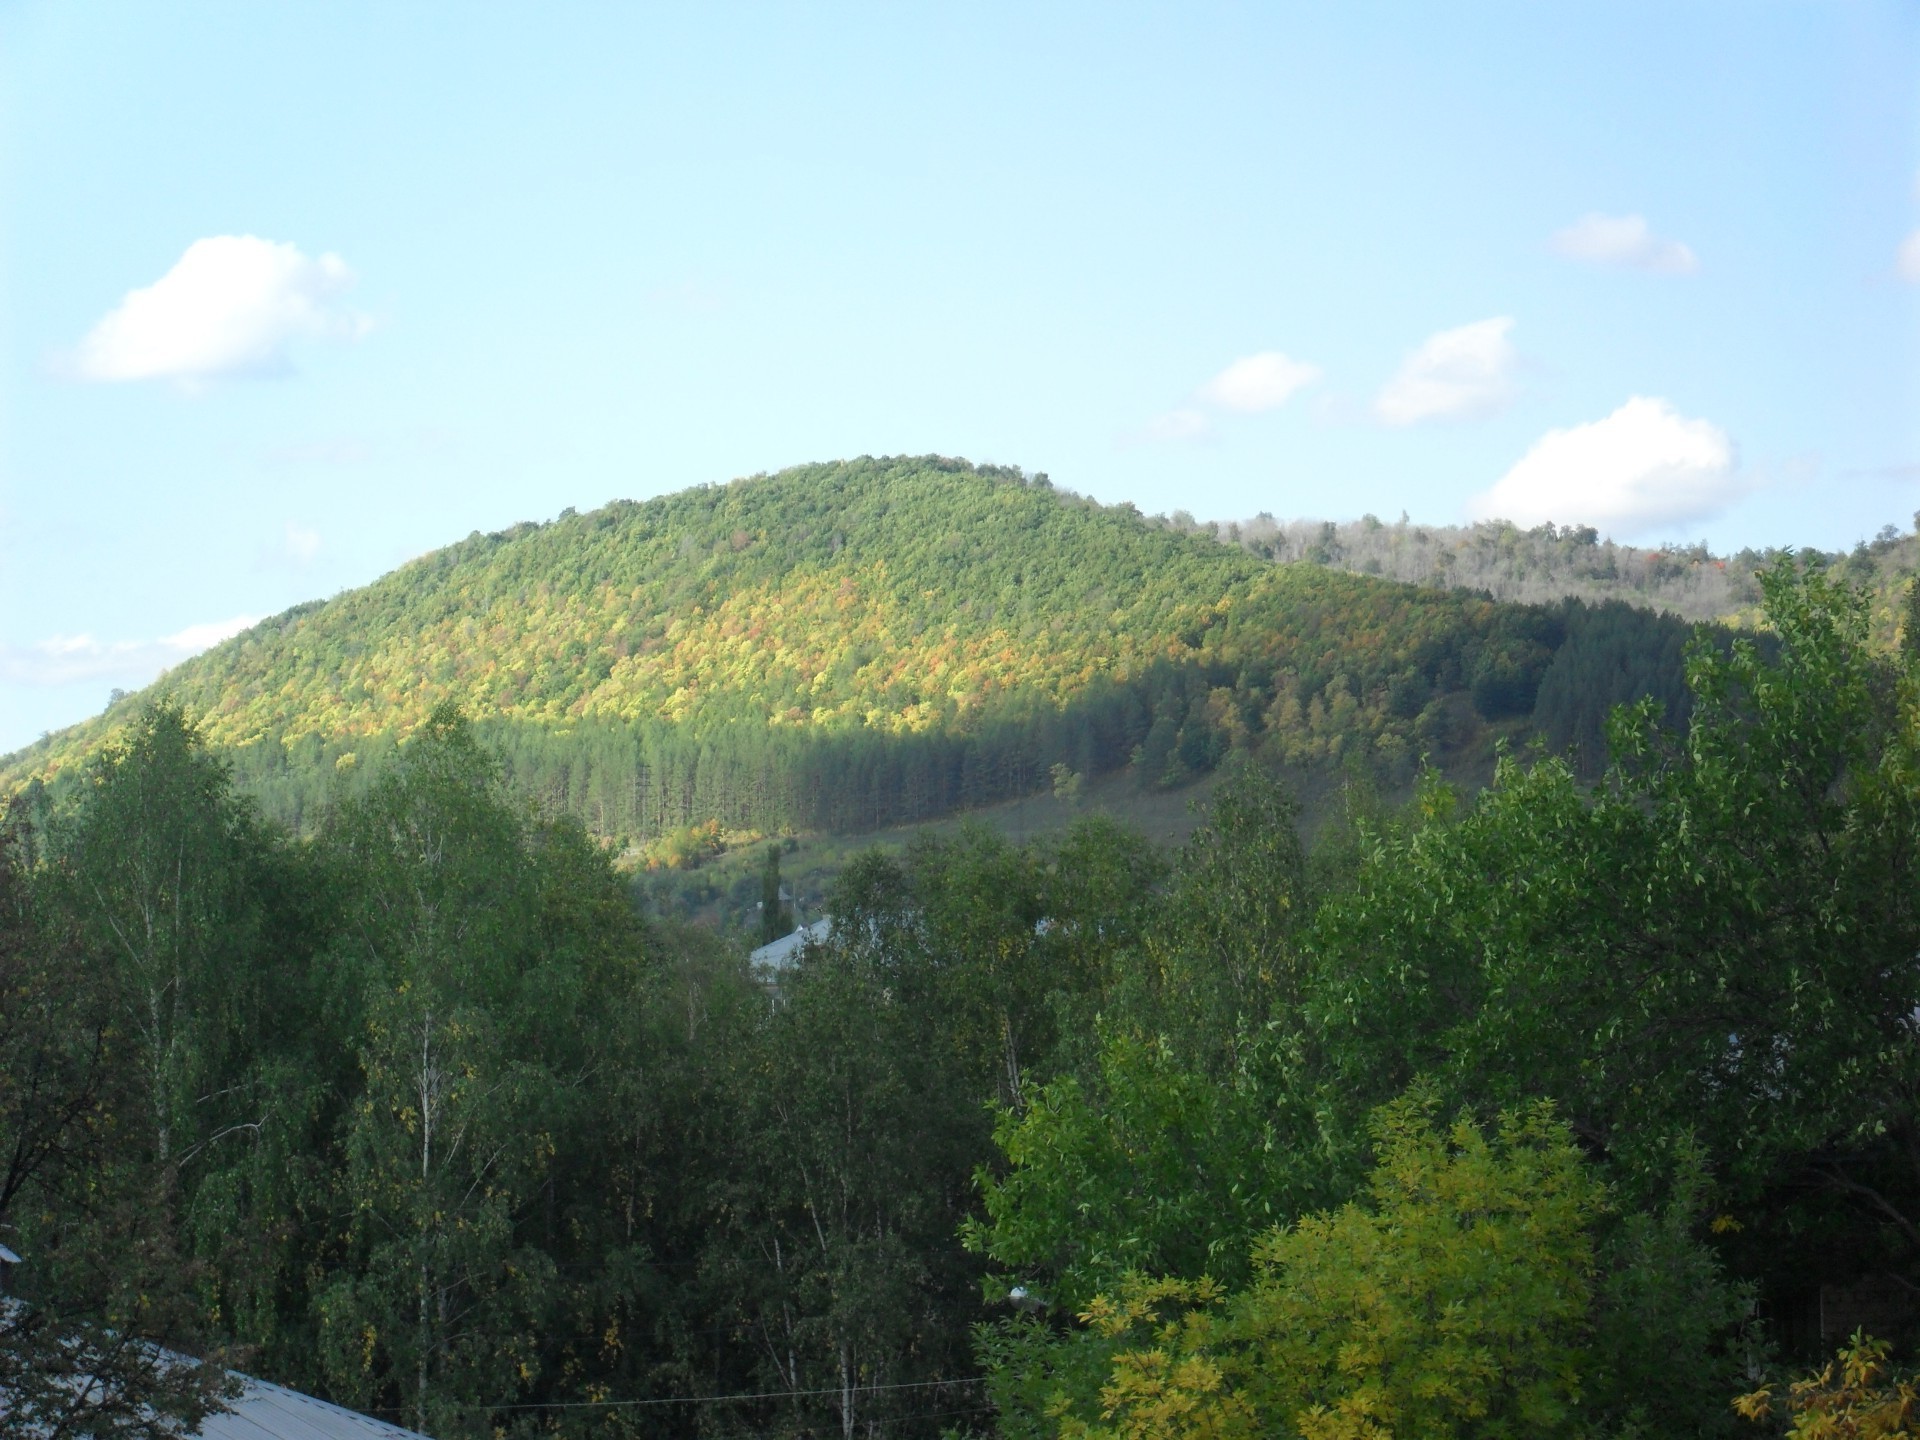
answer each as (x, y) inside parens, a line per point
(438, 1311)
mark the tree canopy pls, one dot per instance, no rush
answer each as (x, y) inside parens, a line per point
(1551, 1109)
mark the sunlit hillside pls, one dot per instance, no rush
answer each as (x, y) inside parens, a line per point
(858, 644)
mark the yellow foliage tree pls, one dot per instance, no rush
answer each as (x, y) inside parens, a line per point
(1861, 1402)
(1452, 1300)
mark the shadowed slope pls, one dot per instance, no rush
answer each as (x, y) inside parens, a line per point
(845, 644)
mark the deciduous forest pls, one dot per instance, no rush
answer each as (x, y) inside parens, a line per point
(851, 646)
(1564, 1108)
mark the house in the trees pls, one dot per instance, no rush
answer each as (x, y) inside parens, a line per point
(776, 957)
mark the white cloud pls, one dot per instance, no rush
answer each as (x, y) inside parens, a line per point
(229, 307)
(1177, 425)
(1642, 467)
(65, 659)
(1258, 382)
(1625, 241)
(1461, 374)
(1908, 260)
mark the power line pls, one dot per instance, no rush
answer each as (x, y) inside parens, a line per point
(726, 1399)
(897, 1416)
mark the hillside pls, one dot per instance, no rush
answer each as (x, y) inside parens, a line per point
(853, 645)
(1550, 563)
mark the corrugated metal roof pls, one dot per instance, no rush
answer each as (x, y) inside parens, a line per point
(266, 1411)
(779, 954)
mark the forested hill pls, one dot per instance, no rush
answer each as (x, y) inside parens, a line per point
(838, 646)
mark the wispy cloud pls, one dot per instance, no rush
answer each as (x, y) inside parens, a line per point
(1899, 471)
(1624, 242)
(232, 305)
(303, 543)
(1643, 467)
(1251, 385)
(1460, 374)
(1254, 383)
(1907, 259)
(1176, 426)
(64, 659)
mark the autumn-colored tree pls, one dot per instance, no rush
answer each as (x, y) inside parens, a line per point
(1853, 1397)
(1451, 1300)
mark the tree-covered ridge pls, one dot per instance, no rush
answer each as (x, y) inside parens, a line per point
(1550, 563)
(873, 642)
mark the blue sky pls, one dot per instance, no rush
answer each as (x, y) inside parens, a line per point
(289, 294)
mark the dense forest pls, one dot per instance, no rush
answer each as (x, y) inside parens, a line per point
(1562, 1109)
(844, 647)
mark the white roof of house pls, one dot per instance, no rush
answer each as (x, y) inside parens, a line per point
(779, 954)
(266, 1411)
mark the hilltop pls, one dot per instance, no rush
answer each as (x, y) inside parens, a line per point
(852, 645)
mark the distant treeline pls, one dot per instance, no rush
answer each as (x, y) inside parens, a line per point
(1567, 562)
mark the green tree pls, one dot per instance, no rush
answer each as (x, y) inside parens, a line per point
(1453, 1301)
(102, 1285)
(1222, 955)
(491, 959)
(1707, 945)
(775, 918)
(853, 1129)
(156, 861)
(1150, 1167)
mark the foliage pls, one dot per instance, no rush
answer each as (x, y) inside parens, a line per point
(1222, 957)
(1162, 1149)
(1672, 1334)
(1150, 1168)
(417, 1112)
(91, 1071)
(1644, 953)
(852, 1130)
(1452, 1301)
(1861, 1400)
(1706, 958)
